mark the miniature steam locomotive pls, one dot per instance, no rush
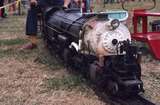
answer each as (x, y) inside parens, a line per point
(99, 47)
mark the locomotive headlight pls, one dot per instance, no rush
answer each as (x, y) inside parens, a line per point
(115, 23)
(111, 40)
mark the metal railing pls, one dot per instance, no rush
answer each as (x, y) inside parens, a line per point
(10, 8)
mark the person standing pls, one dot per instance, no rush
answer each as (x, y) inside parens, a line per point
(31, 23)
(2, 11)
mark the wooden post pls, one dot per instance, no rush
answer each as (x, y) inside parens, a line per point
(19, 7)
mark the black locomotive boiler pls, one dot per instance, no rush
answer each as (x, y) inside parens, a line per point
(96, 45)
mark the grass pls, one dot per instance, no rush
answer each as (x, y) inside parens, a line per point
(12, 25)
(9, 42)
(66, 83)
(6, 53)
(19, 55)
(132, 5)
(50, 61)
(16, 25)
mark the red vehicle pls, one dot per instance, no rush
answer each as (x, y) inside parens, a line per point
(152, 38)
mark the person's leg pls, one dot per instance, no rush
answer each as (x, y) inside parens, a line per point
(3, 13)
(31, 28)
(31, 23)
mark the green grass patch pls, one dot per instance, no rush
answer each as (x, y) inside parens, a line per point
(6, 53)
(50, 61)
(19, 55)
(9, 42)
(12, 25)
(66, 83)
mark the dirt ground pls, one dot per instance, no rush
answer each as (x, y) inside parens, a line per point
(151, 79)
(22, 83)
(23, 75)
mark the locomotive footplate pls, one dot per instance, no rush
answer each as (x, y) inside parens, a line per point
(134, 100)
(130, 83)
(132, 87)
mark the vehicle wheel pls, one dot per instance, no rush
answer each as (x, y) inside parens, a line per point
(112, 88)
(93, 72)
(67, 57)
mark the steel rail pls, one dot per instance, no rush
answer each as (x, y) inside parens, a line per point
(135, 100)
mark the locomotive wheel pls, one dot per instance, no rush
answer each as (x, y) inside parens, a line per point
(67, 57)
(112, 88)
(139, 71)
(93, 72)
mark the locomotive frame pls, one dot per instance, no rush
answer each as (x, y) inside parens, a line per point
(118, 74)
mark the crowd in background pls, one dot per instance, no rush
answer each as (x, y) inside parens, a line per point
(119, 1)
(2, 11)
(8, 7)
(11, 7)
(25, 4)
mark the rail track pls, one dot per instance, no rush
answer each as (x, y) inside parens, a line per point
(135, 100)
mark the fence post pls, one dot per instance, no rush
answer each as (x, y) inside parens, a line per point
(2, 9)
(19, 7)
(0, 13)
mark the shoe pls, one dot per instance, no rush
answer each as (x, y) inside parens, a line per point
(28, 46)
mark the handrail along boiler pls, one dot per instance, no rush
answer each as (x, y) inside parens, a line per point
(96, 45)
